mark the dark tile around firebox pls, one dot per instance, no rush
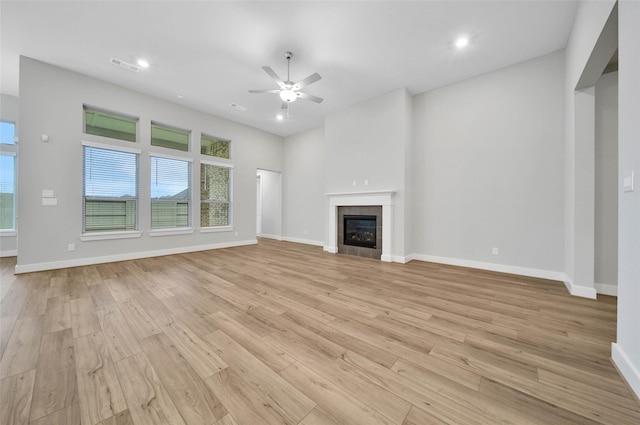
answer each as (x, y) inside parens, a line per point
(356, 250)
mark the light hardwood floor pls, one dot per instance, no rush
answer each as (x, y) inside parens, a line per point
(282, 333)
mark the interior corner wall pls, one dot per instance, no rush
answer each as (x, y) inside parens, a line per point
(8, 113)
(589, 24)
(626, 351)
(51, 102)
(488, 165)
(606, 184)
(365, 150)
(409, 178)
(304, 201)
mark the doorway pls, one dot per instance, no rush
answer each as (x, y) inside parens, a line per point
(269, 204)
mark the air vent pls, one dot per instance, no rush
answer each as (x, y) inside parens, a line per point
(238, 107)
(125, 65)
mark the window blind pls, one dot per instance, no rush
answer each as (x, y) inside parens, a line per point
(110, 190)
(7, 192)
(170, 193)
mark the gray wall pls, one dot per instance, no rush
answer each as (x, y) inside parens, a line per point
(626, 353)
(303, 187)
(606, 184)
(9, 113)
(369, 141)
(51, 102)
(489, 167)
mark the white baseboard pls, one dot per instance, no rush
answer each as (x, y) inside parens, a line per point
(401, 259)
(604, 289)
(503, 268)
(331, 249)
(578, 290)
(52, 265)
(304, 241)
(9, 253)
(276, 237)
(627, 369)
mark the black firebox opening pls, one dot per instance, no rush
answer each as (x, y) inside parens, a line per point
(360, 230)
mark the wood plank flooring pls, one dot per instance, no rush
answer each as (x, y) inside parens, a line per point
(284, 334)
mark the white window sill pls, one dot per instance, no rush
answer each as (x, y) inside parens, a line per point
(7, 233)
(102, 236)
(173, 231)
(216, 229)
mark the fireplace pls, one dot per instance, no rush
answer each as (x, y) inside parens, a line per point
(360, 230)
(374, 202)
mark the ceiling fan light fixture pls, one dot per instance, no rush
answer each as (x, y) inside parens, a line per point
(288, 95)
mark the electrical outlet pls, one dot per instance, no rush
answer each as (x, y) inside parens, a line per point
(236, 233)
(306, 231)
(494, 251)
(354, 183)
(71, 247)
(366, 182)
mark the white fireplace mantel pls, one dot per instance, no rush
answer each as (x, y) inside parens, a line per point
(382, 198)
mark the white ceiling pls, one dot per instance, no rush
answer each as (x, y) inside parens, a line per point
(212, 52)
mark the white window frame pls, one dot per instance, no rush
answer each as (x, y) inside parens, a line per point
(12, 152)
(127, 234)
(172, 230)
(229, 227)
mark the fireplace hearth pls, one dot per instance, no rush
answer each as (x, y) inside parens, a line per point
(360, 230)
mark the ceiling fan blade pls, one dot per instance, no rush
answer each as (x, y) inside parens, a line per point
(305, 82)
(265, 91)
(310, 97)
(273, 75)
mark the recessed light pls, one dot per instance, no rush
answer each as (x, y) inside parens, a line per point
(143, 63)
(279, 117)
(462, 42)
(179, 96)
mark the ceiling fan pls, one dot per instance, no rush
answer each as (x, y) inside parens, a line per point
(290, 91)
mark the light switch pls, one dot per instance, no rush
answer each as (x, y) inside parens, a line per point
(50, 202)
(627, 181)
(47, 193)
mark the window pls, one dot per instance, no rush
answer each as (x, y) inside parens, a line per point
(7, 191)
(108, 124)
(214, 147)
(215, 195)
(167, 137)
(7, 133)
(110, 190)
(170, 193)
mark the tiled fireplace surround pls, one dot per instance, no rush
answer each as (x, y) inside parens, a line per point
(344, 202)
(360, 251)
